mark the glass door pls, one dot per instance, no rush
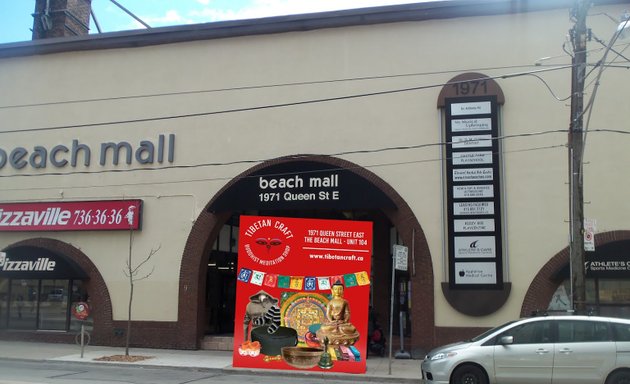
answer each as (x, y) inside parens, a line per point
(23, 304)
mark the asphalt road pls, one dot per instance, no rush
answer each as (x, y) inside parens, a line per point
(28, 372)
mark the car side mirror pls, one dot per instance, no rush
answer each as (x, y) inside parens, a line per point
(506, 340)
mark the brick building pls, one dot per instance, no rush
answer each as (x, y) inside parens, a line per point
(445, 122)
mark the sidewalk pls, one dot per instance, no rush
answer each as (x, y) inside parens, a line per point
(402, 371)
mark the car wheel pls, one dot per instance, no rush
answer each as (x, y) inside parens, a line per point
(619, 377)
(469, 374)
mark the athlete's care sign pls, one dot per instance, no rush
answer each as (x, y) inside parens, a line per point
(71, 216)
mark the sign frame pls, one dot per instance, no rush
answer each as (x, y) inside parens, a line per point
(473, 191)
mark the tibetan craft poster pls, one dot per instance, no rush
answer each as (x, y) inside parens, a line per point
(302, 294)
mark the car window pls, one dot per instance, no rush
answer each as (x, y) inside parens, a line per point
(530, 333)
(491, 331)
(577, 331)
(621, 331)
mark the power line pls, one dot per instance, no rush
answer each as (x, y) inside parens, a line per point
(271, 106)
(223, 178)
(254, 161)
(262, 86)
(296, 157)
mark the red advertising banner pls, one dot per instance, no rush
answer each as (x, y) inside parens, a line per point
(71, 216)
(302, 296)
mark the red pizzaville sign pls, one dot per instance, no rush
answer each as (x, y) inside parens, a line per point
(71, 216)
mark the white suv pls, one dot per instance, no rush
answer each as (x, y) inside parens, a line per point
(550, 349)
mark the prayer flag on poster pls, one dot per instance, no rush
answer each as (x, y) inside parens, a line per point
(271, 280)
(323, 283)
(333, 353)
(350, 280)
(284, 281)
(336, 279)
(296, 283)
(244, 275)
(257, 277)
(310, 283)
(362, 278)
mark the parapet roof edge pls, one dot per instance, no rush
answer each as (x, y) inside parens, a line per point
(292, 23)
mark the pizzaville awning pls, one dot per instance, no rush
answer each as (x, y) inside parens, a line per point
(301, 185)
(28, 262)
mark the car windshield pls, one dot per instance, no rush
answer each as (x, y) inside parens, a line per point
(490, 331)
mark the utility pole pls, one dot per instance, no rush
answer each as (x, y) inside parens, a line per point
(576, 144)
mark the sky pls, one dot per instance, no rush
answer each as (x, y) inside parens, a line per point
(16, 18)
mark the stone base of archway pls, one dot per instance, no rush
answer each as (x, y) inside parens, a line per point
(37, 336)
(217, 343)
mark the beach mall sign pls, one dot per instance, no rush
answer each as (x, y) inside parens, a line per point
(302, 184)
(59, 156)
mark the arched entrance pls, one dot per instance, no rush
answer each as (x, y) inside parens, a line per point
(38, 300)
(610, 246)
(364, 196)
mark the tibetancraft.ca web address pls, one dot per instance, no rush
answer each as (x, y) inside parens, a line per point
(328, 256)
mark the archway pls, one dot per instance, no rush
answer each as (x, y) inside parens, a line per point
(91, 281)
(193, 276)
(549, 278)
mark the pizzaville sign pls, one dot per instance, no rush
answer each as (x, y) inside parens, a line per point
(146, 152)
(42, 264)
(71, 215)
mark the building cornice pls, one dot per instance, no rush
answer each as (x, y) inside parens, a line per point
(282, 24)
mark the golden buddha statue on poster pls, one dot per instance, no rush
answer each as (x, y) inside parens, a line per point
(337, 327)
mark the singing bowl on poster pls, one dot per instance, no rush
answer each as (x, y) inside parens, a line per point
(302, 357)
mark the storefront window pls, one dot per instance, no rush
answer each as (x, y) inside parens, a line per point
(228, 238)
(79, 294)
(591, 291)
(614, 291)
(42, 304)
(23, 304)
(4, 302)
(605, 297)
(614, 298)
(53, 306)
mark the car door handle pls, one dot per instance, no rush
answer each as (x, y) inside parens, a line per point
(565, 351)
(541, 351)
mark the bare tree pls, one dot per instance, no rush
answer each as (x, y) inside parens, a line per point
(132, 274)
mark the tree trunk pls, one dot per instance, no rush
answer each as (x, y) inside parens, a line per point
(130, 271)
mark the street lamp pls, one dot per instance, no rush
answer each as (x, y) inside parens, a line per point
(576, 138)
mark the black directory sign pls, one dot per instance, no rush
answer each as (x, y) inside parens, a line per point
(473, 192)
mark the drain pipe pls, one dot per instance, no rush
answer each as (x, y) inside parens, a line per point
(45, 19)
(402, 354)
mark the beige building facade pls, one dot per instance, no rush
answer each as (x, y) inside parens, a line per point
(446, 123)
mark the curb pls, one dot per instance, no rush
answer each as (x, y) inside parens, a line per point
(323, 375)
(239, 371)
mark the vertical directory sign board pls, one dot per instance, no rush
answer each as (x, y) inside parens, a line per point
(473, 192)
(299, 282)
